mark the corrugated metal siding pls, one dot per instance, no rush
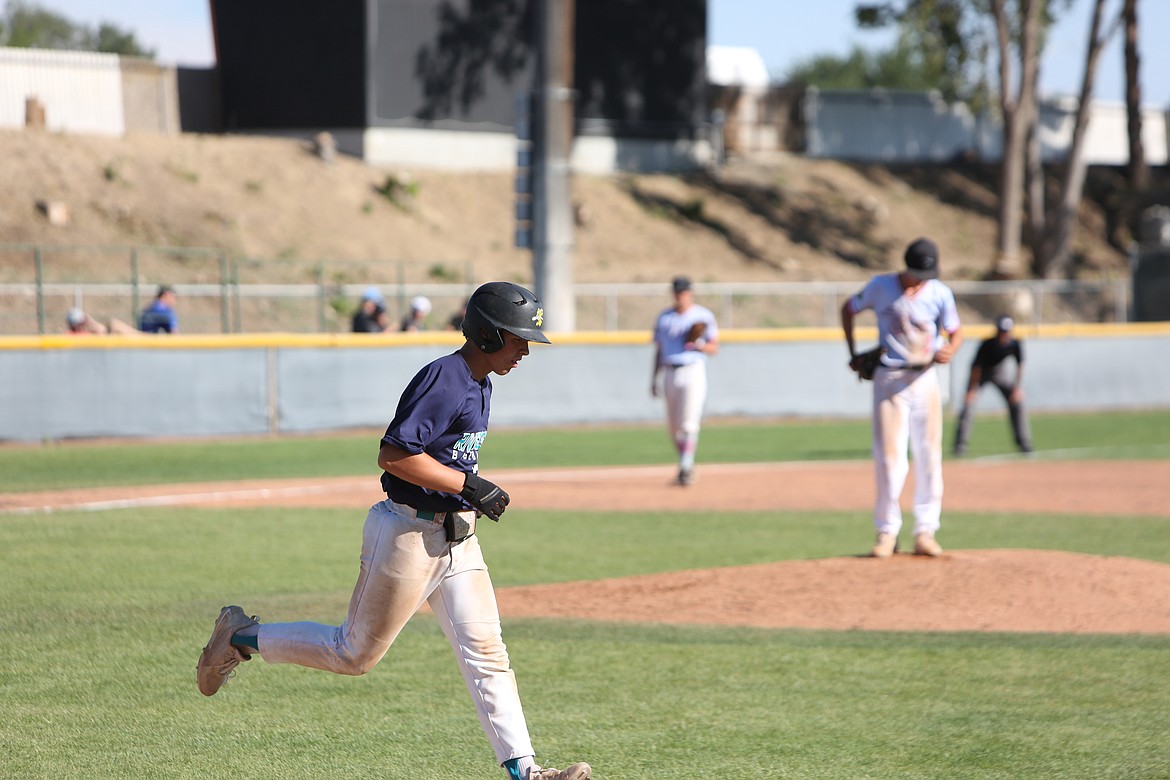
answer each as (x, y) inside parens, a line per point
(892, 126)
(81, 91)
(886, 125)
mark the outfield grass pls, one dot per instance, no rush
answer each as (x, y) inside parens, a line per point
(1135, 435)
(103, 616)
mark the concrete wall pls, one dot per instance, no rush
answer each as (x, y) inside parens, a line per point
(413, 148)
(57, 387)
(150, 97)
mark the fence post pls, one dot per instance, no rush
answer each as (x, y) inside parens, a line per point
(224, 321)
(39, 262)
(320, 298)
(402, 307)
(237, 311)
(134, 285)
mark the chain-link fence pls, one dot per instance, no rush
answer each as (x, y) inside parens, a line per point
(39, 285)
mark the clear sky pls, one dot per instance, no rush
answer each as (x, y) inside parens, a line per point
(783, 31)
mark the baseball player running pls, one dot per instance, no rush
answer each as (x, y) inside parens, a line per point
(918, 326)
(685, 336)
(990, 365)
(419, 545)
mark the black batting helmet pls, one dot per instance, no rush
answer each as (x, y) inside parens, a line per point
(502, 306)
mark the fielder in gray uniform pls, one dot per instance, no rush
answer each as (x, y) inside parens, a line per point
(918, 326)
(419, 545)
(991, 366)
(685, 335)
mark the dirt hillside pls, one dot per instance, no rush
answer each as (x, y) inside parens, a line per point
(784, 218)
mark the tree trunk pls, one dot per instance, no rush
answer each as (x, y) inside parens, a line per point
(1017, 105)
(1034, 178)
(1137, 170)
(1123, 226)
(1056, 259)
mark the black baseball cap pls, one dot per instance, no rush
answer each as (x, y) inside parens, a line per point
(922, 259)
(680, 284)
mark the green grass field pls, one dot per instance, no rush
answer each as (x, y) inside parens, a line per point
(103, 615)
(1134, 435)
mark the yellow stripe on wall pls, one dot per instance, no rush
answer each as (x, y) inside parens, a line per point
(452, 339)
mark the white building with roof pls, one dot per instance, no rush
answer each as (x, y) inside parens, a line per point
(739, 82)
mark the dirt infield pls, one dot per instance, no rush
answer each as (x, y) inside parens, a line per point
(983, 590)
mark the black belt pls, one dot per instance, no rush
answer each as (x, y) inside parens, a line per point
(906, 368)
(426, 514)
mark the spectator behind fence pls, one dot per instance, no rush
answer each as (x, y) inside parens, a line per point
(371, 314)
(160, 316)
(420, 307)
(81, 324)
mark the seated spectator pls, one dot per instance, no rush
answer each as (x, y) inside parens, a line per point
(420, 307)
(81, 324)
(160, 316)
(371, 314)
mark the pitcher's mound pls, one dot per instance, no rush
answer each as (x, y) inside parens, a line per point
(966, 590)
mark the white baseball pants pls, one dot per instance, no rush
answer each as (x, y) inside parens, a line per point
(406, 561)
(685, 390)
(907, 409)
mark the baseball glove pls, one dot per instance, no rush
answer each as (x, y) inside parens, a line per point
(697, 331)
(865, 363)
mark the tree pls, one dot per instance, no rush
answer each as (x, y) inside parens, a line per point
(1017, 102)
(947, 41)
(1138, 172)
(1055, 255)
(113, 40)
(897, 68)
(29, 26)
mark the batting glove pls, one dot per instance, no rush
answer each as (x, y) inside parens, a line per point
(485, 496)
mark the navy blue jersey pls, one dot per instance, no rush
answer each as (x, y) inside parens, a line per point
(444, 413)
(158, 317)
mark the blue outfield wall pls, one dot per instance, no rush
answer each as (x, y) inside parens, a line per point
(61, 387)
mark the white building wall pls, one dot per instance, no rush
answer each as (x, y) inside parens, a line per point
(886, 126)
(892, 126)
(80, 91)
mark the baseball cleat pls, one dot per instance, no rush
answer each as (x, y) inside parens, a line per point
(219, 658)
(578, 771)
(925, 544)
(686, 476)
(885, 545)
